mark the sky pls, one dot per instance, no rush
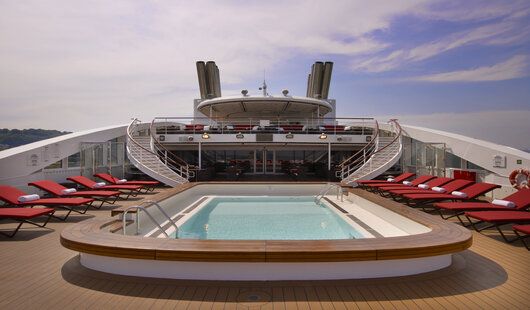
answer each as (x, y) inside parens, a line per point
(461, 66)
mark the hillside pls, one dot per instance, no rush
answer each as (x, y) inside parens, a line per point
(16, 137)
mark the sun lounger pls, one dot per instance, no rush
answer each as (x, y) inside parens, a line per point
(129, 190)
(470, 193)
(59, 191)
(450, 186)
(379, 187)
(398, 179)
(24, 215)
(10, 195)
(497, 219)
(520, 199)
(148, 185)
(522, 232)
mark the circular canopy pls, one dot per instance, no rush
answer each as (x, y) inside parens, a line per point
(259, 107)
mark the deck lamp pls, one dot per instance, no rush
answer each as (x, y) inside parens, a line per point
(289, 136)
(240, 135)
(323, 136)
(205, 135)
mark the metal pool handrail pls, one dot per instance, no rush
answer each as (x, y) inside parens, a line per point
(139, 207)
(323, 192)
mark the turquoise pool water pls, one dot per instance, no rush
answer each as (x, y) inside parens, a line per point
(266, 218)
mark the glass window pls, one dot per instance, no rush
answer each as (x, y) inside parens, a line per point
(452, 161)
(55, 165)
(74, 160)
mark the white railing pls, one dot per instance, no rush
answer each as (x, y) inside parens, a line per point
(385, 155)
(354, 162)
(141, 155)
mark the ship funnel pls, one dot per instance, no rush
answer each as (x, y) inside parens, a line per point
(319, 80)
(326, 79)
(209, 80)
(201, 73)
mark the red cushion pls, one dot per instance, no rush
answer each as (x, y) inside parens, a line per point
(525, 229)
(500, 216)
(23, 213)
(469, 206)
(57, 202)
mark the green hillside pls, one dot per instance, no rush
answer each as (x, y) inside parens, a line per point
(16, 137)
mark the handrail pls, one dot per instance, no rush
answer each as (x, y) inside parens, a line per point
(398, 135)
(182, 166)
(149, 151)
(138, 220)
(175, 158)
(372, 142)
(139, 207)
(360, 160)
(323, 192)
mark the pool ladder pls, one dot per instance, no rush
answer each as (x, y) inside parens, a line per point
(140, 207)
(330, 186)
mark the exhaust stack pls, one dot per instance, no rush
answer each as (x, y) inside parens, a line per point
(201, 73)
(319, 80)
(209, 80)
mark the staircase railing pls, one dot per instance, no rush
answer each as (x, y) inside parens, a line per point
(354, 162)
(173, 161)
(383, 156)
(142, 157)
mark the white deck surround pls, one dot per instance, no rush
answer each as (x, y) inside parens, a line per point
(237, 271)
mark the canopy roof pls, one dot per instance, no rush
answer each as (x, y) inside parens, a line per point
(260, 106)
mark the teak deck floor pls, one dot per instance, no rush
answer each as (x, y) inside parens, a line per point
(37, 272)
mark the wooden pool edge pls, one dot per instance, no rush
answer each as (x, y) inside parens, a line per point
(92, 237)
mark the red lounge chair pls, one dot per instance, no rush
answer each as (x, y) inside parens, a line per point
(473, 191)
(393, 185)
(24, 215)
(57, 190)
(498, 219)
(129, 190)
(400, 178)
(148, 185)
(452, 185)
(10, 195)
(525, 231)
(521, 199)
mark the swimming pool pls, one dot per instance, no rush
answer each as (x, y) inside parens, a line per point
(397, 240)
(266, 218)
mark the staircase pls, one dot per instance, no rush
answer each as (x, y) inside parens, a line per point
(375, 158)
(141, 155)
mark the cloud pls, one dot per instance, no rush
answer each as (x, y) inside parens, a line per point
(509, 128)
(60, 56)
(510, 27)
(515, 67)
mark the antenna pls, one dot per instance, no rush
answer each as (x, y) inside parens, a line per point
(264, 86)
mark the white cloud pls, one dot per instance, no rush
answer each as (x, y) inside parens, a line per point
(512, 68)
(502, 33)
(137, 58)
(509, 128)
(509, 26)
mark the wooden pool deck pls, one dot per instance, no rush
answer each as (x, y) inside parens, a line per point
(37, 272)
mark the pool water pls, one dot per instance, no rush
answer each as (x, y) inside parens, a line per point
(266, 218)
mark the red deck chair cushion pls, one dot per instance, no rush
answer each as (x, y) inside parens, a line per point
(390, 185)
(23, 213)
(86, 182)
(113, 180)
(10, 195)
(472, 191)
(57, 190)
(399, 178)
(521, 198)
(501, 216)
(525, 229)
